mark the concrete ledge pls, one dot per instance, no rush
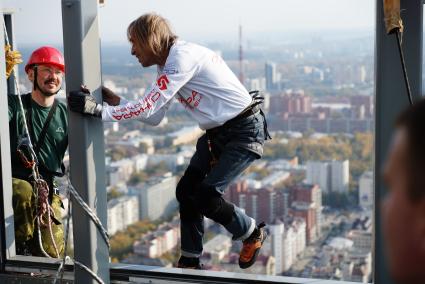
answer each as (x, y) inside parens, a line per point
(18, 268)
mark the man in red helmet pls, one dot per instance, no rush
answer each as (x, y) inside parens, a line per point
(48, 129)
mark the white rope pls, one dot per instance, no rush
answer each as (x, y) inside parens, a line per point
(21, 106)
(59, 273)
(103, 232)
(97, 278)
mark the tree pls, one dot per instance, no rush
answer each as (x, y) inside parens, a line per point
(138, 177)
(114, 193)
(122, 242)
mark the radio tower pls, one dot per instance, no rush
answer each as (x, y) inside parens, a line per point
(241, 75)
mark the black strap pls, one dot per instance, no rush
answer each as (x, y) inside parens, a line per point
(37, 143)
(44, 171)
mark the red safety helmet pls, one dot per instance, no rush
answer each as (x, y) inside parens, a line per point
(46, 55)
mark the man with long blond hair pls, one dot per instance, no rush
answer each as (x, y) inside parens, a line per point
(235, 130)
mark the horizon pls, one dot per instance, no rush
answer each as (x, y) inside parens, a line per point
(284, 37)
(200, 21)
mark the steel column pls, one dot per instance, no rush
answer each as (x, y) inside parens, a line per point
(86, 141)
(7, 231)
(391, 99)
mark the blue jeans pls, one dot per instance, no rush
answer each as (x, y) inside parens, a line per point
(200, 190)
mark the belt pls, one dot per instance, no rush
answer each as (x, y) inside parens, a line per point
(250, 110)
(253, 108)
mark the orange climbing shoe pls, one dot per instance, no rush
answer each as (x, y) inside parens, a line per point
(251, 246)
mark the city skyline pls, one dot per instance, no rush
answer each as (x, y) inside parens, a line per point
(211, 21)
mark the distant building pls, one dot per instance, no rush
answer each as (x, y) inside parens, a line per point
(319, 122)
(135, 139)
(340, 176)
(157, 198)
(140, 162)
(286, 165)
(217, 248)
(272, 82)
(171, 160)
(125, 166)
(275, 178)
(118, 90)
(307, 212)
(291, 102)
(362, 240)
(156, 243)
(258, 84)
(185, 135)
(122, 212)
(306, 202)
(331, 176)
(265, 204)
(361, 107)
(276, 235)
(341, 244)
(115, 126)
(119, 171)
(287, 243)
(320, 174)
(366, 190)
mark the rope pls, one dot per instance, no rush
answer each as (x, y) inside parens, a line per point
(403, 64)
(97, 278)
(20, 100)
(103, 232)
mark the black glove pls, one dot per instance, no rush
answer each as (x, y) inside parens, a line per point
(84, 103)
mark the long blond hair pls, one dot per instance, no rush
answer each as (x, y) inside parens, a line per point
(153, 31)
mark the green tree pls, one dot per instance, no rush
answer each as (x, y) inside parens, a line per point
(138, 177)
(122, 241)
(113, 193)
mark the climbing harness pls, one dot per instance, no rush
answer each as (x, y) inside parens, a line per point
(253, 108)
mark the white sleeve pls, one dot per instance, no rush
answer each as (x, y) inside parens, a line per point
(156, 97)
(154, 119)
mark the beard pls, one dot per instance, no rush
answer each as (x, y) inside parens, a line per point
(47, 91)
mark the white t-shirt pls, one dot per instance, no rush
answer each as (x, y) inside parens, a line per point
(199, 79)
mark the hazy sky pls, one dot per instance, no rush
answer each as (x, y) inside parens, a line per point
(39, 21)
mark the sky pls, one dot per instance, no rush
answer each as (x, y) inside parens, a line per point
(39, 21)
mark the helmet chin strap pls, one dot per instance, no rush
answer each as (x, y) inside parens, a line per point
(36, 86)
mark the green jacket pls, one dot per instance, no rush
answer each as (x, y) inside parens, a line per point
(55, 143)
